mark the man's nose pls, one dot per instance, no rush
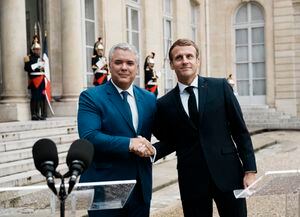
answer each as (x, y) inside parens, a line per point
(184, 59)
(124, 66)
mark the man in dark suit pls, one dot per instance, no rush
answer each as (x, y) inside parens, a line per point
(202, 121)
(117, 118)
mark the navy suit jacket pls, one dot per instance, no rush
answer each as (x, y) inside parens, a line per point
(222, 138)
(103, 121)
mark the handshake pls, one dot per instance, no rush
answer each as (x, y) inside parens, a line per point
(141, 147)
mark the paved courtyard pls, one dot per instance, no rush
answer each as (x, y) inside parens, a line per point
(284, 155)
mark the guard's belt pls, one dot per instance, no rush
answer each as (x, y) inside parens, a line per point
(37, 73)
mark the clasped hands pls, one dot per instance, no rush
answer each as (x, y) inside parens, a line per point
(141, 147)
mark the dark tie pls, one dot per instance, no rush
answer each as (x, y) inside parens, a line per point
(192, 105)
(127, 106)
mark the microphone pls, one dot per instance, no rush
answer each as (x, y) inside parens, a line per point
(79, 158)
(45, 158)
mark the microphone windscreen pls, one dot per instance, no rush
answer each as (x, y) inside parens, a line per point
(81, 150)
(44, 150)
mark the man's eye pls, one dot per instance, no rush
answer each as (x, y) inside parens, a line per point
(130, 63)
(178, 58)
(118, 62)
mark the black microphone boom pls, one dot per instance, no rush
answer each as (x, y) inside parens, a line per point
(79, 158)
(45, 158)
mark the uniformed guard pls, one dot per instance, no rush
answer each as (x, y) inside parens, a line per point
(150, 74)
(230, 81)
(36, 81)
(99, 64)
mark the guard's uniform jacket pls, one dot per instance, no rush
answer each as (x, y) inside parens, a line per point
(151, 81)
(100, 69)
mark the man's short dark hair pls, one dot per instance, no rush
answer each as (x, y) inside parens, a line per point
(183, 42)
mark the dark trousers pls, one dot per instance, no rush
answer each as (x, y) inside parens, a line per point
(135, 207)
(38, 107)
(227, 204)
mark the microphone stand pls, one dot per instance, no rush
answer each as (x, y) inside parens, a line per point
(62, 194)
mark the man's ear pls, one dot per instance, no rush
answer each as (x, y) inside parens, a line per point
(198, 62)
(171, 65)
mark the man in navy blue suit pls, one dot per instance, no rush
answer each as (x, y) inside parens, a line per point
(117, 119)
(202, 121)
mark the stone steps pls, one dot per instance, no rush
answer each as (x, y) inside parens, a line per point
(22, 154)
(265, 117)
(28, 143)
(26, 178)
(35, 125)
(38, 133)
(16, 142)
(23, 165)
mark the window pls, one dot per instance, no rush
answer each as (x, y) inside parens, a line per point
(89, 23)
(250, 50)
(133, 29)
(167, 31)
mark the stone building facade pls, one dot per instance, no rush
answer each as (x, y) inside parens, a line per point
(258, 42)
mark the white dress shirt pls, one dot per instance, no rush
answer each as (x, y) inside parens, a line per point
(132, 103)
(184, 95)
(133, 107)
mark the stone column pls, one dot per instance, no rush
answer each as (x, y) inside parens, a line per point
(72, 58)
(72, 49)
(13, 105)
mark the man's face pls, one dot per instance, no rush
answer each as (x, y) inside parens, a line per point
(36, 51)
(185, 63)
(151, 65)
(123, 68)
(100, 52)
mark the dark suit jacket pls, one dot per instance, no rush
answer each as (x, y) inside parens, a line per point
(103, 121)
(221, 145)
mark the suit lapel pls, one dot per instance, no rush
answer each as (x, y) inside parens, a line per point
(116, 99)
(180, 108)
(202, 93)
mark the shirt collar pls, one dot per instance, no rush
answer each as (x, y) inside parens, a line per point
(183, 86)
(129, 90)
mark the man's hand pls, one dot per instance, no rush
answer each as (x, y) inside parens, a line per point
(141, 147)
(249, 178)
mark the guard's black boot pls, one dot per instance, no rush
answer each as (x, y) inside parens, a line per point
(43, 110)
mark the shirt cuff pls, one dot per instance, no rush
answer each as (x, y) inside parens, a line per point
(152, 158)
(251, 171)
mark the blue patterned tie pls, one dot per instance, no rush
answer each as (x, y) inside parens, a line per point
(127, 106)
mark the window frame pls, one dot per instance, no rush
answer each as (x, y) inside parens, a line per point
(249, 25)
(87, 75)
(130, 6)
(167, 42)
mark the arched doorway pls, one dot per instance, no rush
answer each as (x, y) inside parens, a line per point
(250, 54)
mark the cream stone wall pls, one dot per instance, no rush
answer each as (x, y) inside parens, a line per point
(114, 22)
(53, 13)
(215, 36)
(296, 5)
(284, 57)
(152, 31)
(182, 19)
